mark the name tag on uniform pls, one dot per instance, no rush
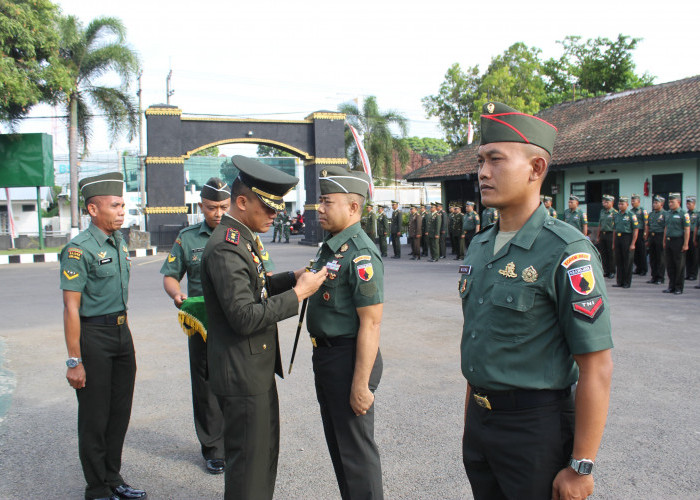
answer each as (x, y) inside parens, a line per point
(465, 270)
(197, 250)
(105, 261)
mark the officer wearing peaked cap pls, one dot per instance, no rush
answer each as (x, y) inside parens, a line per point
(676, 238)
(640, 251)
(95, 269)
(625, 236)
(606, 226)
(243, 306)
(532, 295)
(396, 229)
(655, 241)
(185, 257)
(343, 321)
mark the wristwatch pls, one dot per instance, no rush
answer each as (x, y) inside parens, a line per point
(73, 362)
(582, 467)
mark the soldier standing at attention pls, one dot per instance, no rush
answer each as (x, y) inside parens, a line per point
(382, 230)
(489, 216)
(424, 227)
(640, 249)
(575, 216)
(95, 269)
(470, 226)
(456, 233)
(691, 256)
(186, 258)
(434, 224)
(344, 323)
(606, 226)
(415, 231)
(370, 225)
(286, 226)
(243, 307)
(444, 228)
(396, 229)
(277, 226)
(626, 231)
(549, 207)
(533, 296)
(655, 240)
(676, 236)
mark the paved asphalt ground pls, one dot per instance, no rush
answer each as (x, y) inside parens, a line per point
(650, 449)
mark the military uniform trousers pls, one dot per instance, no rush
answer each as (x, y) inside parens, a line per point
(251, 437)
(396, 245)
(623, 259)
(383, 246)
(516, 454)
(640, 254)
(466, 241)
(350, 438)
(606, 252)
(691, 259)
(656, 256)
(434, 247)
(416, 246)
(104, 404)
(443, 243)
(455, 240)
(424, 243)
(675, 262)
(277, 233)
(208, 417)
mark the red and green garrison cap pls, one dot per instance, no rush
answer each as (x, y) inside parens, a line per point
(501, 123)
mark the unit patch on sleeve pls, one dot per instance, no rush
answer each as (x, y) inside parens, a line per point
(575, 258)
(360, 258)
(582, 279)
(365, 271)
(171, 258)
(233, 236)
(75, 253)
(589, 308)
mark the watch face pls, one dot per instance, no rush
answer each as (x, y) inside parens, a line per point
(72, 363)
(585, 468)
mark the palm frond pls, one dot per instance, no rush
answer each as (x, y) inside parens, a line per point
(103, 27)
(121, 111)
(112, 57)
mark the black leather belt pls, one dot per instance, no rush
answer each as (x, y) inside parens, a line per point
(332, 341)
(113, 319)
(516, 399)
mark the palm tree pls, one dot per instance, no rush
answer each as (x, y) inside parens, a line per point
(89, 53)
(378, 141)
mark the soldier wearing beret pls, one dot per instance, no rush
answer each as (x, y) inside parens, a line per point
(432, 232)
(549, 207)
(185, 257)
(489, 216)
(626, 231)
(533, 296)
(95, 269)
(383, 229)
(640, 249)
(575, 216)
(243, 306)
(424, 245)
(396, 229)
(370, 222)
(343, 321)
(691, 257)
(415, 231)
(456, 233)
(471, 225)
(655, 240)
(606, 226)
(444, 228)
(676, 237)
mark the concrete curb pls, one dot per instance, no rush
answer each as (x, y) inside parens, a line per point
(33, 258)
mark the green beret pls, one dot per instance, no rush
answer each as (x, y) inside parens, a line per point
(215, 190)
(573, 197)
(691, 198)
(624, 199)
(336, 179)
(110, 184)
(634, 197)
(501, 123)
(265, 181)
(674, 196)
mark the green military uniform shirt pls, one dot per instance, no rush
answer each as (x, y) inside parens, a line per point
(355, 279)
(576, 218)
(186, 257)
(489, 216)
(676, 222)
(552, 212)
(657, 221)
(434, 224)
(370, 225)
(396, 222)
(625, 222)
(470, 221)
(530, 307)
(607, 220)
(382, 225)
(457, 223)
(97, 266)
(693, 214)
(642, 217)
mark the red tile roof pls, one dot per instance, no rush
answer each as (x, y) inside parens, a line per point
(661, 120)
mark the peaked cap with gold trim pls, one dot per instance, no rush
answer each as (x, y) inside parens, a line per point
(109, 184)
(268, 183)
(334, 179)
(501, 123)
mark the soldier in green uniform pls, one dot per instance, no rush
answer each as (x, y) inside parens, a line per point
(95, 269)
(343, 321)
(415, 231)
(606, 226)
(286, 226)
(535, 312)
(243, 307)
(432, 232)
(697, 240)
(691, 256)
(185, 257)
(640, 249)
(489, 216)
(676, 237)
(626, 231)
(470, 226)
(575, 216)
(424, 214)
(655, 240)
(444, 229)
(396, 229)
(277, 226)
(549, 207)
(370, 225)
(456, 233)
(382, 230)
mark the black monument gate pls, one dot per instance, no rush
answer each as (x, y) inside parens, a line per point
(173, 136)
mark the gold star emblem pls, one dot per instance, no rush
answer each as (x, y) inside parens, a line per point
(508, 271)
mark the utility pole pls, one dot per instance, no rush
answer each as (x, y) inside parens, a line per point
(168, 90)
(142, 150)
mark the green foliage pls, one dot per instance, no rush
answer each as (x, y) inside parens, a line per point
(378, 140)
(210, 151)
(228, 172)
(30, 68)
(265, 151)
(427, 146)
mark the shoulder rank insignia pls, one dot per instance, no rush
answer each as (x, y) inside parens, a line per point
(102, 255)
(75, 253)
(588, 308)
(70, 274)
(233, 236)
(344, 247)
(529, 275)
(508, 271)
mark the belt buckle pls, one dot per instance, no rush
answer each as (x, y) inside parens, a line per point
(121, 319)
(313, 342)
(482, 401)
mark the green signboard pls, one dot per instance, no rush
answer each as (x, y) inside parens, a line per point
(26, 160)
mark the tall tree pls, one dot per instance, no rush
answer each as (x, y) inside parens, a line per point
(90, 52)
(210, 151)
(266, 151)
(378, 139)
(30, 67)
(427, 146)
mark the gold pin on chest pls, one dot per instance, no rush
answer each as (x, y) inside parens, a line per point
(508, 271)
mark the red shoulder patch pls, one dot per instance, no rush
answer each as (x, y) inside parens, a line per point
(233, 236)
